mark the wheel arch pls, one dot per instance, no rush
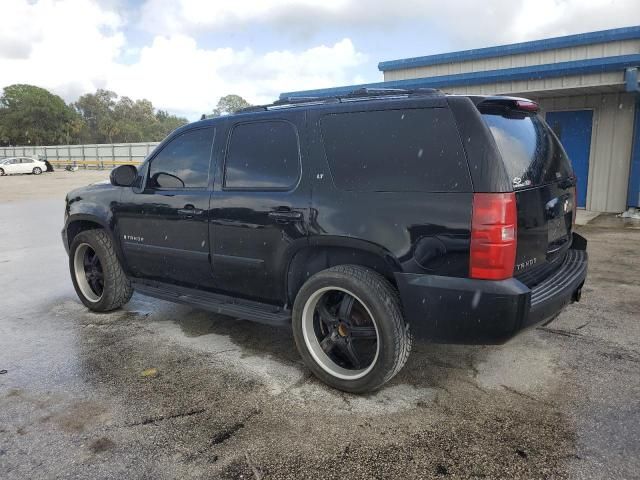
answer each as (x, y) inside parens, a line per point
(78, 223)
(326, 254)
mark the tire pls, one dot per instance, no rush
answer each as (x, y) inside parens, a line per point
(328, 348)
(1, 172)
(93, 263)
(37, 171)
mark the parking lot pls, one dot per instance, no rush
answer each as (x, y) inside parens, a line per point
(158, 390)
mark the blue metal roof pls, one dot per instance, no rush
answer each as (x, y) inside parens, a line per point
(616, 34)
(534, 72)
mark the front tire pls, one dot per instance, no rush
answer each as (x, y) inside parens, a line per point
(37, 171)
(349, 328)
(97, 275)
(1, 172)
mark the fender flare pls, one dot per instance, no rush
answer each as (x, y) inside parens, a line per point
(325, 246)
(105, 225)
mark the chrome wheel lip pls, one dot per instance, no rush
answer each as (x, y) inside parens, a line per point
(81, 276)
(313, 344)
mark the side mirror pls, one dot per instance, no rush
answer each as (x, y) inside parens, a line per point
(123, 176)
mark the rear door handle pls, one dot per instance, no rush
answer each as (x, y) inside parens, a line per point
(189, 211)
(286, 216)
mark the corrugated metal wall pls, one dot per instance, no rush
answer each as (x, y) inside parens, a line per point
(610, 155)
(582, 52)
(95, 155)
(569, 85)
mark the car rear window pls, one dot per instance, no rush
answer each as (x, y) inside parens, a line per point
(395, 151)
(531, 153)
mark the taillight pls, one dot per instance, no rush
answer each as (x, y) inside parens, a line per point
(493, 236)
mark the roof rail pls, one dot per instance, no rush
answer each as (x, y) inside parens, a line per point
(307, 102)
(297, 100)
(253, 108)
(369, 92)
(354, 95)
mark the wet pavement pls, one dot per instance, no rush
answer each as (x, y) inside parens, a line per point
(231, 399)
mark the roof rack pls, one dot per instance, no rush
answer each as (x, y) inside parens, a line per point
(253, 108)
(354, 95)
(297, 100)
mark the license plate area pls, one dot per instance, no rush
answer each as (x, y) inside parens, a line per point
(557, 232)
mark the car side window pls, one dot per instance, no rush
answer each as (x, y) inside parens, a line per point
(408, 150)
(262, 156)
(27, 160)
(183, 162)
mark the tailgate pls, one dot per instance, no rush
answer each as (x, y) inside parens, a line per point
(544, 184)
(545, 224)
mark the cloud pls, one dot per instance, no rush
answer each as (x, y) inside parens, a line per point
(185, 15)
(465, 23)
(76, 46)
(546, 18)
(174, 73)
(67, 46)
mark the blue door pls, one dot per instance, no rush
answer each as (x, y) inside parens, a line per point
(573, 128)
(634, 181)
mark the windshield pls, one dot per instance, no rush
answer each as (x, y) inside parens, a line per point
(530, 151)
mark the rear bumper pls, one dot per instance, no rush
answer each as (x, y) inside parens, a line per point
(483, 311)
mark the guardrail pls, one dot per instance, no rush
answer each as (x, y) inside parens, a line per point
(106, 155)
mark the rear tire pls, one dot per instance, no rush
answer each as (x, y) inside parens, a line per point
(336, 316)
(1, 172)
(97, 275)
(37, 171)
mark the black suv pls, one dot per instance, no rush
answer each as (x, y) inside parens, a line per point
(360, 220)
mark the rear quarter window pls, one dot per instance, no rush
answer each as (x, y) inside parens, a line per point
(395, 151)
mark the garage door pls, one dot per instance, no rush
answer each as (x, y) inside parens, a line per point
(573, 128)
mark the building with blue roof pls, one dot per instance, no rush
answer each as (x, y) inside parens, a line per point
(586, 85)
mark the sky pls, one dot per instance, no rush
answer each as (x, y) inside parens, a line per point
(183, 55)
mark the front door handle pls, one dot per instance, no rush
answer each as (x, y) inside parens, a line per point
(189, 211)
(286, 216)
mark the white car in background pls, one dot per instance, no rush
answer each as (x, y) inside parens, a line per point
(13, 165)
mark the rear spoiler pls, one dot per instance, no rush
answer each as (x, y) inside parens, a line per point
(500, 104)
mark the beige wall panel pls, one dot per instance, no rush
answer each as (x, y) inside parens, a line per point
(625, 47)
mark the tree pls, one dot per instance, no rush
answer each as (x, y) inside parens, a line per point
(230, 104)
(111, 119)
(167, 124)
(97, 111)
(31, 115)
